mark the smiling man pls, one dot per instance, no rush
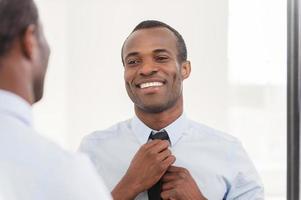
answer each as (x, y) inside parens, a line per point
(160, 153)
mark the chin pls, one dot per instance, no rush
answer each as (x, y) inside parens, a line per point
(38, 98)
(38, 93)
(153, 108)
(38, 85)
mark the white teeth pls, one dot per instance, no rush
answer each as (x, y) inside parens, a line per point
(150, 84)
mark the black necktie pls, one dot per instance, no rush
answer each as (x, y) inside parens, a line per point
(155, 190)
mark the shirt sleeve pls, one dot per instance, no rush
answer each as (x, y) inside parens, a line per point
(246, 183)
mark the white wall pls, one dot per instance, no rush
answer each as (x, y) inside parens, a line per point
(237, 49)
(257, 76)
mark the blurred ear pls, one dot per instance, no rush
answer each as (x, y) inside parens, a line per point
(185, 69)
(29, 41)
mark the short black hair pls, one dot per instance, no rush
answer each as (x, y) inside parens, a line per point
(15, 17)
(181, 46)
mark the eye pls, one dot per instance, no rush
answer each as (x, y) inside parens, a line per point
(133, 62)
(162, 58)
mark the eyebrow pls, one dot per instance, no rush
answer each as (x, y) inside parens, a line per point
(131, 54)
(154, 51)
(161, 50)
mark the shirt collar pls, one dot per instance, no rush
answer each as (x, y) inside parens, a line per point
(175, 130)
(16, 107)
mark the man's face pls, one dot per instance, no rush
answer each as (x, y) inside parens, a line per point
(41, 63)
(153, 76)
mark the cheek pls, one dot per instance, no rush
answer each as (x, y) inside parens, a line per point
(177, 78)
(177, 84)
(127, 81)
(128, 76)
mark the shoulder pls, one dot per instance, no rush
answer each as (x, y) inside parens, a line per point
(107, 136)
(37, 154)
(227, 145)
(30, 144)
(56, 172)
(199, 130)
(109, 133)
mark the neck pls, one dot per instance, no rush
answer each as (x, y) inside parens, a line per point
(158, 121)
(15, 78)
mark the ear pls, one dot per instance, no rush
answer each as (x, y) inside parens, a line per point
(29, 41)
(185, 69)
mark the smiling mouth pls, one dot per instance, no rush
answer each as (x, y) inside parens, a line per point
(150, 84)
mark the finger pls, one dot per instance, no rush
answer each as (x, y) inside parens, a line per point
(173, 168)
(169, 161)
(151, 143)
(159, 146)
(168, 186)
(164, 154)
(168, 194)
(169, 177)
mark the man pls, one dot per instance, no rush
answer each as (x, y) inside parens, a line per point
(194, 162)
(32, 168)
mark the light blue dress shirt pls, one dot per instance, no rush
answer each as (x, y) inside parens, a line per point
(32, 168)
(216, 161)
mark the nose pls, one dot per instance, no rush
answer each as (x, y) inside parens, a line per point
(147, 69)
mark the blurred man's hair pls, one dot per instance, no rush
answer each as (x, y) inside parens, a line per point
(15, 17)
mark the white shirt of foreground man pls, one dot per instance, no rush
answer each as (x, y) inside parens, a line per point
(32, 168)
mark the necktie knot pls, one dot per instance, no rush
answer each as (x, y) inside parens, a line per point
(160, 135)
